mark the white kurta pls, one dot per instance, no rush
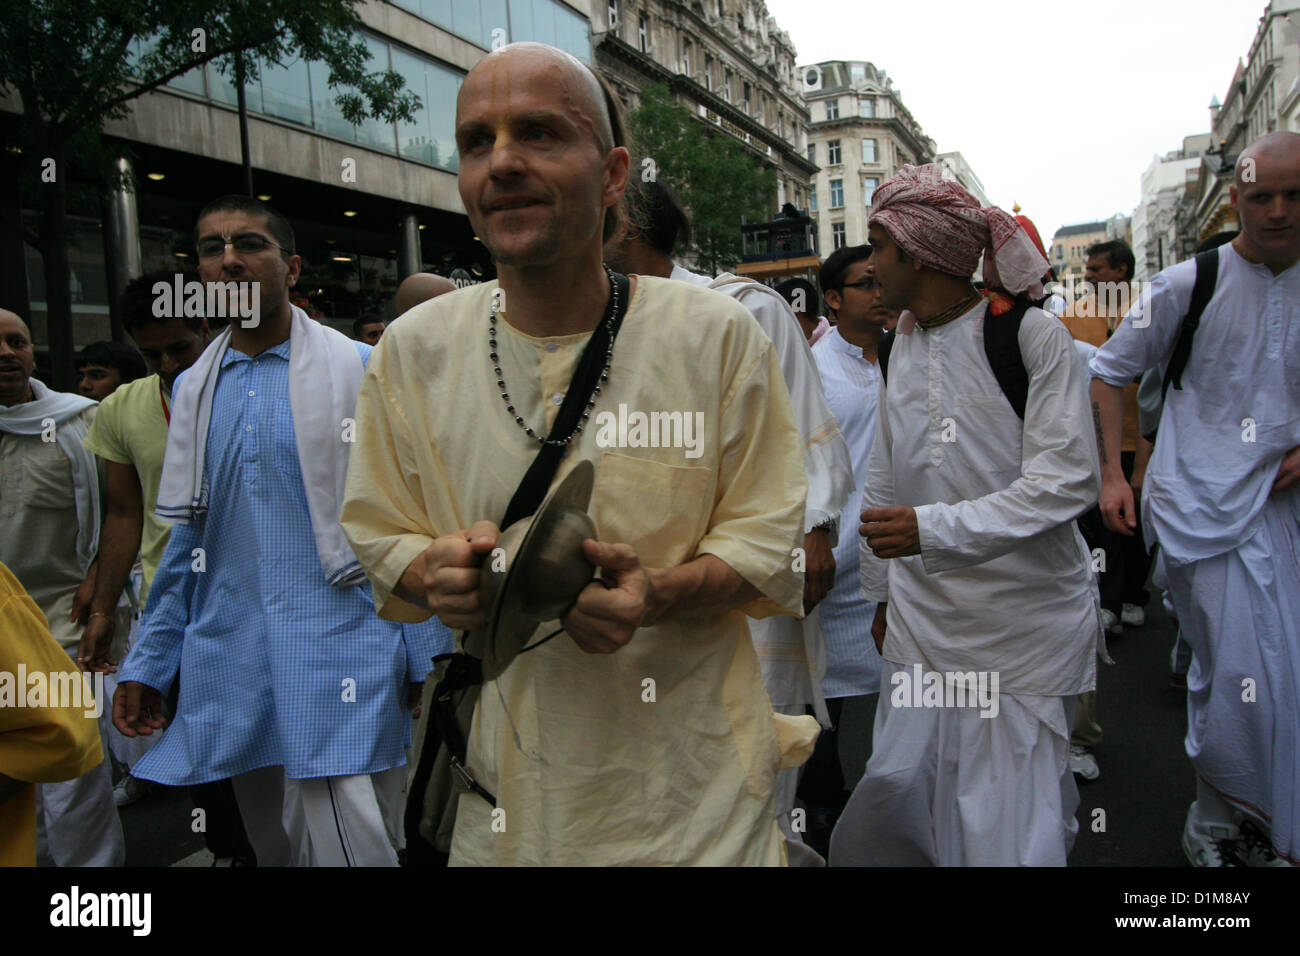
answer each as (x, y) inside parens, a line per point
(852, 384)
(1002, 581)
(667, 751)
(1231, 547)
(791, 652)
(1001, 588)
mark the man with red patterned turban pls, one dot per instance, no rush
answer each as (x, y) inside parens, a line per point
(988, 619)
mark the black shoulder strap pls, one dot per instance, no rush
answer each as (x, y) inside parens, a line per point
(532, 489)
(1207, 277)
(883, 348)
(1002, 347)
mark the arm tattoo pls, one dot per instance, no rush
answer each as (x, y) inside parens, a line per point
(1096, 424)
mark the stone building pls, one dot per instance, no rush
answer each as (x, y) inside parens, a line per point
(859, 134)
(727, 61)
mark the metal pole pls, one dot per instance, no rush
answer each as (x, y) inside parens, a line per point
(409, 259)
(121, 242)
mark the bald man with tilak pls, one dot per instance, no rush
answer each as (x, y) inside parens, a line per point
(1222, 498)
(642, 733)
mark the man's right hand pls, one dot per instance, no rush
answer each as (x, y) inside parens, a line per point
(448, 574)
(96, 641)
(1116, 504)
(137, 709)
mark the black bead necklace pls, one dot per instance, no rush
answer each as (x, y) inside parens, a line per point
(591, 401)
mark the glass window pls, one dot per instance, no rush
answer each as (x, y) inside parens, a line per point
(812, 152)
(191, 82)
(286, 92)
(726, 85)
(867, 106)
(858, 72)
(708, 72)
(746, 97)
(493, 16)
(643, 33)
(812, 199)
(221, 89)
(837, 235)
(868, 150)
(579, 33)
(868, 189)
(327, 117)
(377, 133)
(832, 109)
(613, 13)
(833, 152)
(837, 194)
(430, 138)
(686, 56)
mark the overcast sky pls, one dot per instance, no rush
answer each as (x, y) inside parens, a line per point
(1057, 106)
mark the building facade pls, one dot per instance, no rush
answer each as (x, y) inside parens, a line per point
(370, 204)
(859, 135)
(726, 61)
(1263, 96)
(955, 165)
(1163, 230)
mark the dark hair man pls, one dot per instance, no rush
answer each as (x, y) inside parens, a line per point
(368, 329)
(103, 366)
(1222, 499)
(791, 653)
(804, 300)
(689, 778)
(960, 484)
(289, 684)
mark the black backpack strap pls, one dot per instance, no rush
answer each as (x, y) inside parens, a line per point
(883, 348)
(1002, 348)
(1207, 277)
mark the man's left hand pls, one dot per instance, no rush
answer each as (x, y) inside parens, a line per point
(607, 613)
(819, 567)
(891, 532)
(1289, 474)
(85, 593)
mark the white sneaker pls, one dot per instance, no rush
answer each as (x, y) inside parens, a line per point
(1083, 763)
(1212, 844)
(1133, 615)
(1111, 623)
(129, 790)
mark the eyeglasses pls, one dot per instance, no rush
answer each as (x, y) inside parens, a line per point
(866, 285)
(246, 243)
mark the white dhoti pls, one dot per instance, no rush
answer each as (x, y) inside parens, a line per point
(77, 822)
(947, 787)
(1240, 612)
(321, 821)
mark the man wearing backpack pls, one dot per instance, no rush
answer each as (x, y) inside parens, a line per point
(1222, 499)
(988, 619)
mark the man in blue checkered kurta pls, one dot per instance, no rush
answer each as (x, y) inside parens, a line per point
(277, 668)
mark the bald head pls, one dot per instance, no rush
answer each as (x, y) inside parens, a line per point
(580, 88)
(1277, 148)
(420, 287)
(17, 359)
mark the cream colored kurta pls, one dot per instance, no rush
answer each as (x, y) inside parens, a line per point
(666, 751)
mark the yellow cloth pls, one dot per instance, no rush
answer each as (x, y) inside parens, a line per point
(600, 774)
(131, 429)
(1090, 321)
(37, 744)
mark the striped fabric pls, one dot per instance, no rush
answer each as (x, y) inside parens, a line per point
(276, 667)
(852, 661)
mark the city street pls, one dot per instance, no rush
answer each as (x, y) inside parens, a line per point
(1145, 785)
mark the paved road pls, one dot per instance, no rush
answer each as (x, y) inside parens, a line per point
(1145, 786)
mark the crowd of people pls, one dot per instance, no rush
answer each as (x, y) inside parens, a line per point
(922, 480)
